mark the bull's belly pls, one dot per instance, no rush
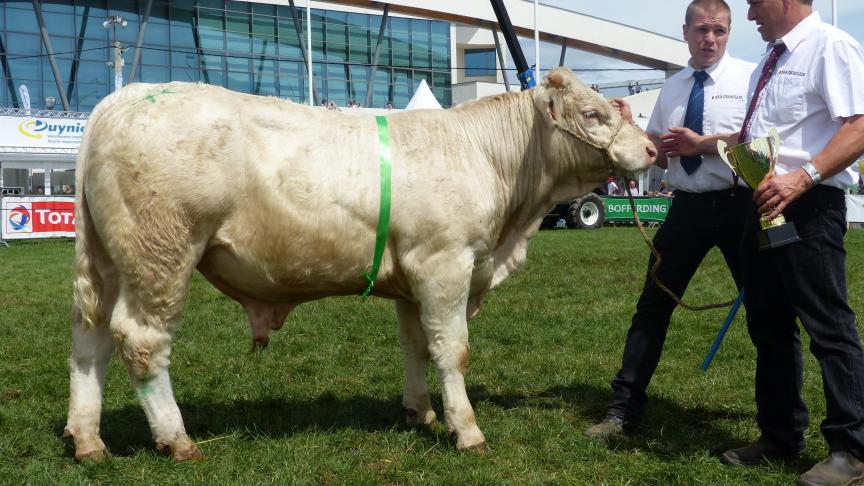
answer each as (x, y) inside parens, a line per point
(290, 281)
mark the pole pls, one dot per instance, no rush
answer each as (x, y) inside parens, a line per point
(536, 44)
(834, 12)
(118, 67)
(523, 72)
(309, 57)
(722, 332)
(500, 58)
(140, 43)
(37, 7)
(377, 56)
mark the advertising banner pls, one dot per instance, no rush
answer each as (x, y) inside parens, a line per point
(617, 208)
(42, 133)
(37, 217)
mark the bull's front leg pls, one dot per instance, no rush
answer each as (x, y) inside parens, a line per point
(443, 301)
(415, 395)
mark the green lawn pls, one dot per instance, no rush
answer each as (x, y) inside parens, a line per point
(321, 405)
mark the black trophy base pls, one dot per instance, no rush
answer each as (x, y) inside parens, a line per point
(776, 236)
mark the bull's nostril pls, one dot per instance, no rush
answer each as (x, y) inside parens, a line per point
(652, 152)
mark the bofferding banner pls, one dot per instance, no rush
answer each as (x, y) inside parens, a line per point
(617, 208)
(44, 133)
(37, 217)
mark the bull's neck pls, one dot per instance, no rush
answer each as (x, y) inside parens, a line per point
(512, 145)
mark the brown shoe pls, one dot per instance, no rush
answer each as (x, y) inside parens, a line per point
(840, 469)
(760, 451)
(611, 426)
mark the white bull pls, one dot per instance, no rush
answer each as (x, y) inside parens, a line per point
(277, 204)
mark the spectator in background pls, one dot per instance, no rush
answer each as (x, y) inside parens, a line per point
(664, 189)
(637, 88)
(611, 186)
(860, 184)
(388, 106)
(67, 190)
(40, 191)
(630, 88)
(634, 189)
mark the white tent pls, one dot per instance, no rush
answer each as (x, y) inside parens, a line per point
(423, 99)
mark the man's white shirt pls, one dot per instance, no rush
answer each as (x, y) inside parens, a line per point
(725, 106)
(818, 80)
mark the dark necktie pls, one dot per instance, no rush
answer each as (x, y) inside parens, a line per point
(767, 71)
(693, 118)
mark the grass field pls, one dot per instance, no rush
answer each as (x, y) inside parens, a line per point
(321, 405)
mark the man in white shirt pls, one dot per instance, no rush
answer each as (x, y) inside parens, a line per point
(814, 97)
(709, 208)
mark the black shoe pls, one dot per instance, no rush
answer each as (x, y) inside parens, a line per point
(611, 426)
(840, 469)
(759, 451)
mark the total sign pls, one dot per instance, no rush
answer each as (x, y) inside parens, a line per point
(37, 217)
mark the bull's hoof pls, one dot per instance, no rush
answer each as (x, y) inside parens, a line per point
(414, 418)
(188, 451)
(189, 454)
(92, 456)
(479, 448)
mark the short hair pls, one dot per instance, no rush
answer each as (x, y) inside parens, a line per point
(807, 2)
(706, 4)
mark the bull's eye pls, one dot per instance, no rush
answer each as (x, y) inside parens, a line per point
(590, 115)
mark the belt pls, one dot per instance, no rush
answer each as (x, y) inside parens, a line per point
(721, 194)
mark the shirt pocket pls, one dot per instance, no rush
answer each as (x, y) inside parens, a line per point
(784, 103)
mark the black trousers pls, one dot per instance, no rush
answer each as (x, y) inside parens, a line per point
(695, 224)
(806, 280)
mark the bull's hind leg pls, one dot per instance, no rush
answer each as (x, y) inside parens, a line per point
(443, 301)
(91, 352)
(415, 395)
(144, 343)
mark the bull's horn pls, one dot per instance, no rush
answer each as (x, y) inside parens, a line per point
(556, 80)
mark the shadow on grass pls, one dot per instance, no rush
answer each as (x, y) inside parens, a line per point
(668, 430)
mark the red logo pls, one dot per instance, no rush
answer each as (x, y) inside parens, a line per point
(53, 216)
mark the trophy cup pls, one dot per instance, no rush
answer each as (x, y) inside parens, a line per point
(752, 161)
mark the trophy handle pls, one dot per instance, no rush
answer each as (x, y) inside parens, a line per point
(721, 149)
(774, 146)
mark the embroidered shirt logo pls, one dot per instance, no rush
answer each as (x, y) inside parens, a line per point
(789, 72)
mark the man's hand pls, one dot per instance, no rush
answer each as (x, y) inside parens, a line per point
(775, 192)
(680, 141)
(624, 108)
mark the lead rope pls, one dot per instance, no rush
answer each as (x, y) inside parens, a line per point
(658, 259)
(607, 157)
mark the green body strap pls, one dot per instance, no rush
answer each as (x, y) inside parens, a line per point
(384, 205)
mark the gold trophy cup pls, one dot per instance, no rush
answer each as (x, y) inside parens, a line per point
(752, 161)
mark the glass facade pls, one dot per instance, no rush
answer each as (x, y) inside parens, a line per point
(243, 46)
(480, 62)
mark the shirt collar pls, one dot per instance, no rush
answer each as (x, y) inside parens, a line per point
(713, 70)
(799, 32)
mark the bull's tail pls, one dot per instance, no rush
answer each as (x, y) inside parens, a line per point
(88, 283)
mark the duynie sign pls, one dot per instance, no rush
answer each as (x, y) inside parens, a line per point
(41, 133)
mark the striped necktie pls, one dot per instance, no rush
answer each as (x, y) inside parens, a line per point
(693, 118)
(767, 71)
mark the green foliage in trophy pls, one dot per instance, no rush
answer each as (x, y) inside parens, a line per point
(752, 161)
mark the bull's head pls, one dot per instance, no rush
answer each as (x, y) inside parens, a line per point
(589, 122)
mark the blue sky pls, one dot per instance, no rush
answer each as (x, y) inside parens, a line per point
(745, 41)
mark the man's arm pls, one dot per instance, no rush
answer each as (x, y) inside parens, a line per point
(775, 193)
(683, 141)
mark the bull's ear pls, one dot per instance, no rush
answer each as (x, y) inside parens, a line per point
(548, 97)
